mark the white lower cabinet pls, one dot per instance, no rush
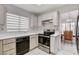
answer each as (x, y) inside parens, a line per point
(0, 47)
(55, 43)
(33, 41)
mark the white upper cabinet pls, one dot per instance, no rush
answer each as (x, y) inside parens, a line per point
(2, 14)
(52, 15)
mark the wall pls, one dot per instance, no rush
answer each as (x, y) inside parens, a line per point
(15, 10)
(33, 18)
(47, 16)
(2, 18)
(64, 9)
(47, 25)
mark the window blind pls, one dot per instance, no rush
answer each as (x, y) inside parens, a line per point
(17, 23)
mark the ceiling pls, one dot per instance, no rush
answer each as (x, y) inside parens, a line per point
(38, 8)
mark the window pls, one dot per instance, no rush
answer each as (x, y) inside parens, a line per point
(68, 21)
(17, 23)
(65, 26)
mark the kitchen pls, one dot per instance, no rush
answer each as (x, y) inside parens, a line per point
(22, 30)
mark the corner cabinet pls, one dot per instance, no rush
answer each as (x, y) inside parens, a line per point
(33, 41)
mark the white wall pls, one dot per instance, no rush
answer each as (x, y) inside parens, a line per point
(33, 22)
(15, 10)
(51, 15)
(2, 18)
(48, 26)
(45, 16)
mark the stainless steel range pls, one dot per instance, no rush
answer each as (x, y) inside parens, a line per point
(44, 41)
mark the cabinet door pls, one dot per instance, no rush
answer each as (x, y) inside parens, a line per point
(33, 41)
(10, 52)
(0, 47)
(55, 44)
(7, 41)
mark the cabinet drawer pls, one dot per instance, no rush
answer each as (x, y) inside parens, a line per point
(10, 52)
(13, 54)
(33, 36)
(0, 53)
(8, 41)
(9, 46)
(0, 47)
(33, 41)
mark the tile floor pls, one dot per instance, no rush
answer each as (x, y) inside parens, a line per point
(37, 51)
(66, 49)
(70, 48)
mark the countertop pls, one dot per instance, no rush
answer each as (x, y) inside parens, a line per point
(56, 34)
(42, 35)
(6, 35)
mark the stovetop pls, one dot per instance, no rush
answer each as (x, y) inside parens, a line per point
(46, 34)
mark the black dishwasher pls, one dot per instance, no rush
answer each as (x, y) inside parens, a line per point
(22, 45)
